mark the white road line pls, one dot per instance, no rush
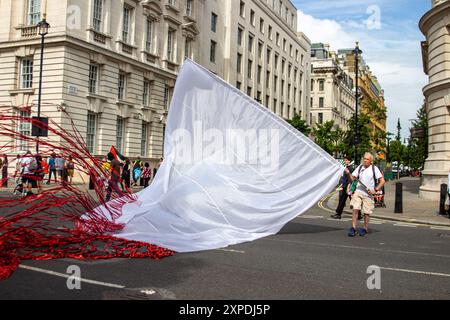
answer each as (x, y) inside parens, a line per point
(405, 225)
(440, 228)
(231, 250)
(418, 272)
(62, 275)
(310, 217)
(380, 250)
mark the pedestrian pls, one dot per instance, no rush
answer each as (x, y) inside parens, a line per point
(363, 199)
(146, 174)
(137, 170)
(113, 183)
(155, 170)
(45, 168)
(18, 176)
(59, 166)
(126, 175)
(343, 194)
(4, 166)
(39, 173)
(52, 168)
(70, 167)
(29, 166)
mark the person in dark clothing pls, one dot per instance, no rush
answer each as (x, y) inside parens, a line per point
(147, 174)
(113, 183)
(343, 195)
(126, 171)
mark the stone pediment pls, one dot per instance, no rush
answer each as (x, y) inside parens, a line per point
(190, 28)
(152, 6)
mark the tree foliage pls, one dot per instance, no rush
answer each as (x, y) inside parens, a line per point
(298, 123)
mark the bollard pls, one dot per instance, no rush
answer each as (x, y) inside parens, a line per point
(442, 199)
(398, 198)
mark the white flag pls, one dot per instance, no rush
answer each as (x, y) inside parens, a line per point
(233, 171)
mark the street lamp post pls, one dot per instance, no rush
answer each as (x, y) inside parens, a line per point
(43, 31)
(357, 52)
(388, 141)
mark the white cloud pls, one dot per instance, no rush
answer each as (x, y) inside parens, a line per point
(396, 62)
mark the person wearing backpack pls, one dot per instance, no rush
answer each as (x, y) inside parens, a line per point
(29, 166)
(363, 198)
(52, 168)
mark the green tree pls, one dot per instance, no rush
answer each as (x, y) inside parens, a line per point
(419, 145)
(329, 138)
(300, 124)
(398, 137)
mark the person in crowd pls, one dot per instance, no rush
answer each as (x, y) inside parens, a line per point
(59, 166)
(146, 174)
(70, 167)
(52, 168)
(113, 183)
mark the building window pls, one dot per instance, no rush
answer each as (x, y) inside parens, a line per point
(213, 22)
(149, 36)
(270, 32)
(258, 97)
(250, 69)
(239, 63)
(312, 85)
(26, 73)
(269, 52)
(259, 75)
(242, 9)
(144, 139)
(284, 45)
(239, 36)
(189, 8)
(91, 131)
(296, 55)
(275, 105)
(320, 117)
(283, 64)
(282, 87)
(249, 91)
(321, 102)
(312, 101)
(260, 50)
(252, 18)
(98, 14)
(119, 136)
(34, 12)
(24, 129)
(277, 39)
(267, 79)
(122, 86)
(267, 101)
(275, 83)
(321, 85)
(288, 112)
(167, 97)
(250, 43)
(238, 85)
(93, 78)
(188, 47)
(261, 25)
(126, 24)
(289, 70)
(146, 93)
(170, 44)
(276, 62)
(212, 52)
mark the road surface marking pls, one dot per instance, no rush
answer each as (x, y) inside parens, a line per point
(310, 217)
(418, 272)
(63, 275)
(405, 225)
(440, 228)
(231, 250)
(328, 245)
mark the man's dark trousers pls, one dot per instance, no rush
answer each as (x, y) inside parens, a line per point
(342, 199)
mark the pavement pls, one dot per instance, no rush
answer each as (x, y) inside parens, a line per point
(415, 209)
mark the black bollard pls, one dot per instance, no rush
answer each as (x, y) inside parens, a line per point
(398, 198)
(442, 199)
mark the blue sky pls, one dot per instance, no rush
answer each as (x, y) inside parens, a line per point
(391, 44)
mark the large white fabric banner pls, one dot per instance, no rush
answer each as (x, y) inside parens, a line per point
(233, 171)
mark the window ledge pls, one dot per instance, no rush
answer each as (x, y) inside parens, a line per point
(96, 96)
(172, 8)
(126, 43)
(21, 91)
(124, 103)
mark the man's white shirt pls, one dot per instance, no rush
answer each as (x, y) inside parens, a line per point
(366, 177)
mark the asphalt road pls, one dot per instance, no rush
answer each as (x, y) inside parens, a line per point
(311, 258)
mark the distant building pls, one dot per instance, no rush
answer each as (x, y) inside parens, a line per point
(332, 97)
(435, 25)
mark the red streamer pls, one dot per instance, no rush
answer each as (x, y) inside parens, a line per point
(61, 222)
